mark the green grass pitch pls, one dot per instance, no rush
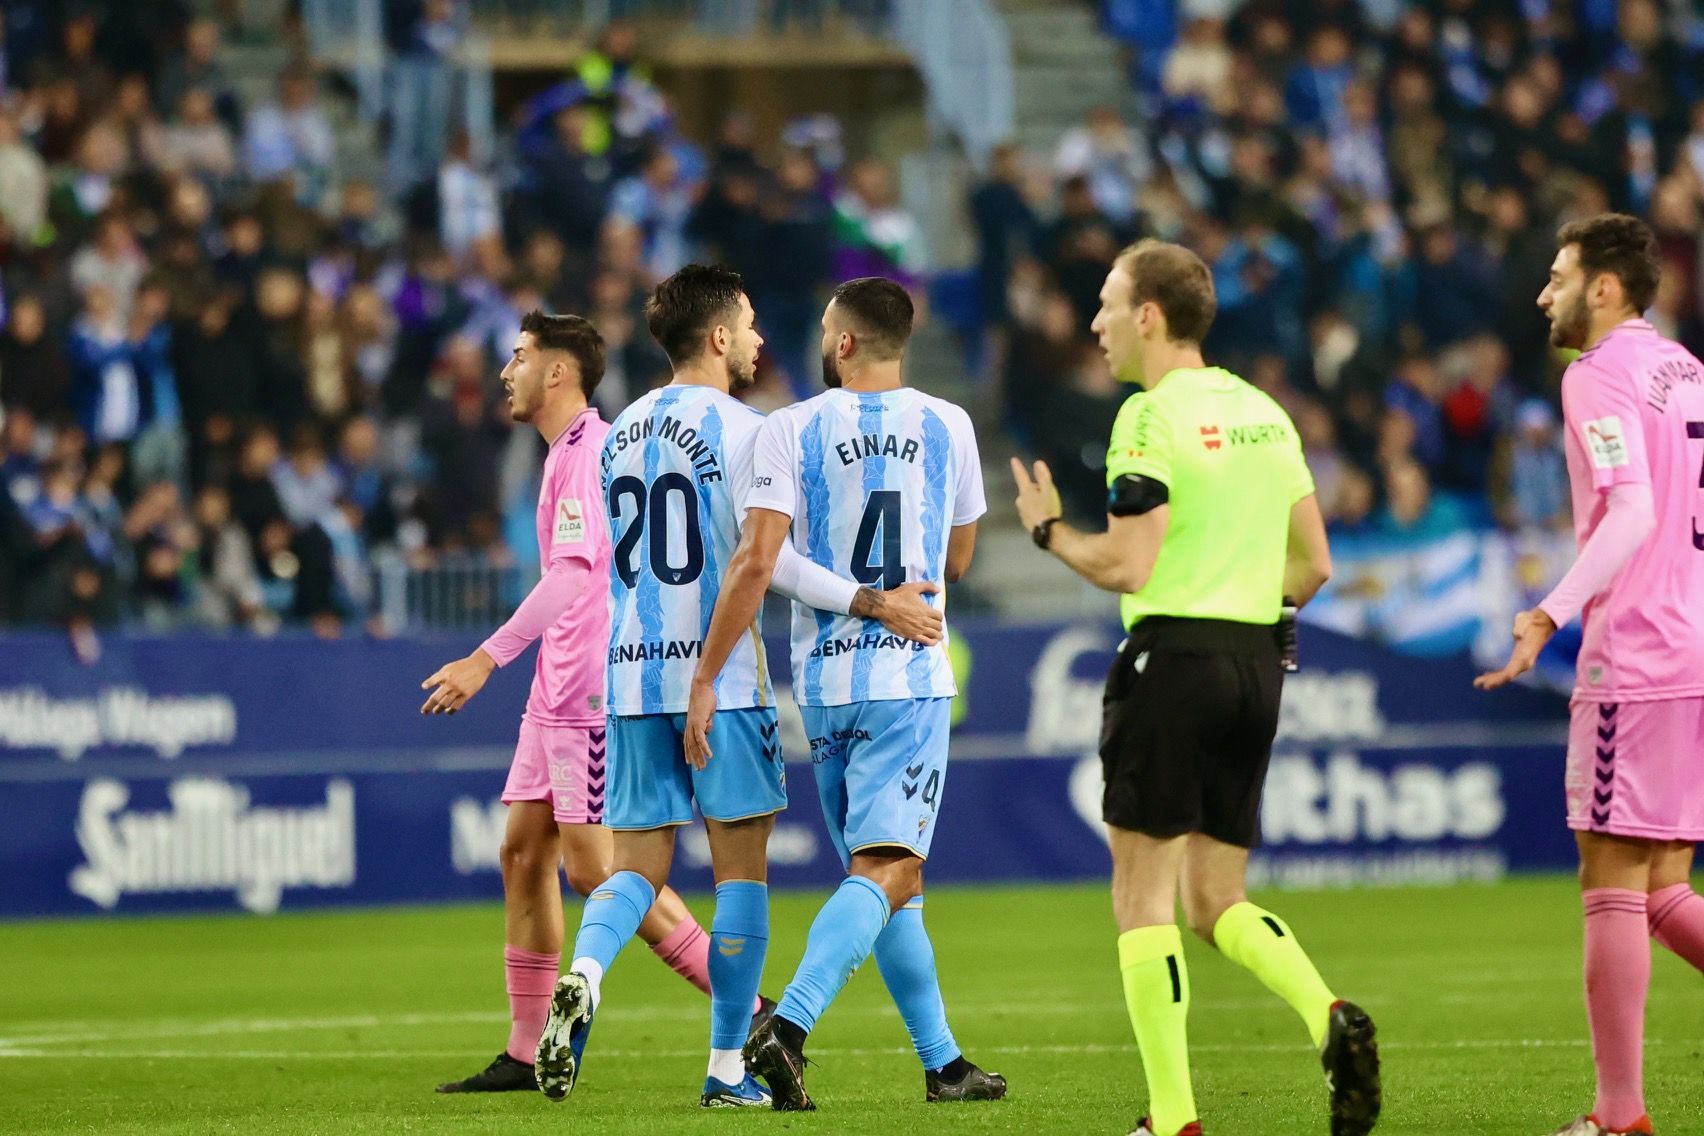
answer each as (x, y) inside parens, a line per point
(341, 1023)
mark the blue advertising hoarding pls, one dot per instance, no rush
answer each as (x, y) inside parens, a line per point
(184, 774)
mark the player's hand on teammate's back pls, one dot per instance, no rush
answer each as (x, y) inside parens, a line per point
(1533, 630)
(1038, 498)
(906, 612)
(456, 682)
(700, 709)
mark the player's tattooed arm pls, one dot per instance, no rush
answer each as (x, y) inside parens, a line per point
(903, 611)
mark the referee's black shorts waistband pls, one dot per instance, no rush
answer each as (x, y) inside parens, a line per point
(1226, 636)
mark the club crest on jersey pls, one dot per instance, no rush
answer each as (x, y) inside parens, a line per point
(1607, 442)
(1210, 437)
(570, 522)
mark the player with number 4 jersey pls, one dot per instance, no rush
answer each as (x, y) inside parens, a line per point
(676, 466)
(883, 483)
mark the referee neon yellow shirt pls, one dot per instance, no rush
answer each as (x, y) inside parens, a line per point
(1232, 462)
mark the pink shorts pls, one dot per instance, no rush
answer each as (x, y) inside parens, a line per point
(563, 765)
(1637, 768)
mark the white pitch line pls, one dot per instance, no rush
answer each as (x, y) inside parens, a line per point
(171, 1029)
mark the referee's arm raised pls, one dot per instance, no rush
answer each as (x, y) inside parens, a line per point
(1120, 559)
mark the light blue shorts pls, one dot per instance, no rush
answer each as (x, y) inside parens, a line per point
(880, 770)
(652, 786)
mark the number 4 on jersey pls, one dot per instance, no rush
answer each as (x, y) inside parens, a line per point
(881, 512)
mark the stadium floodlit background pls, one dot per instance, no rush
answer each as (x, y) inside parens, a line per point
(261, 261)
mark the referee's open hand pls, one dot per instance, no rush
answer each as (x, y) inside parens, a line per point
(1533, 630)
(1038, 499)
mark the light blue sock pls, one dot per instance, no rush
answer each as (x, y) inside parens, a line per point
(739, 942)
(842, 936)
(907, 961)
(611, 916)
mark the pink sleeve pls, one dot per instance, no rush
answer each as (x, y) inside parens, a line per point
(1629, 517)
(544, 605)
(1601, 409)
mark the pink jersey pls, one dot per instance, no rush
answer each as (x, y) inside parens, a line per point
(1634, 409)
(568, 681)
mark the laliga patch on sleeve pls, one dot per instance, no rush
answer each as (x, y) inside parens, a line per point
(570, 522)
(1606, 442)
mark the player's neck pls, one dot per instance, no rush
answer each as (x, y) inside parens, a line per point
(700, 375)
(552, 420)
(1600, 326)
(1164, 358)
(875, 378)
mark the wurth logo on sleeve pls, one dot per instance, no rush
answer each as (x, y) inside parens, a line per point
(1210, 437)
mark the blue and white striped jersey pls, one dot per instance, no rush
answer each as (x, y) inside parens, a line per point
(674, 464)
(874, 482)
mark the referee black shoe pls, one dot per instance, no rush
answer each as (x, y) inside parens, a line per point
(968, 1084)
(782, 1068)
(503, 1075)
(1351, 1060)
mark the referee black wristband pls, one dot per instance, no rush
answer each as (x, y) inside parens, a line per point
(1042, 534)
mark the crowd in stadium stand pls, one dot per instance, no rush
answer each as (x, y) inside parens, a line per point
(231, 375)
(1376, 187)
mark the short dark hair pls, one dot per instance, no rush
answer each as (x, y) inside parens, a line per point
(882, 311)
(1620, 245)
(576, 336)
(1177, 280)
(683, 309)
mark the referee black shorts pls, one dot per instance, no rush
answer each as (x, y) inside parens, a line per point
(1189, 714)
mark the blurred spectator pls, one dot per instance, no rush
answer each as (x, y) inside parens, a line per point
(23, 183)
(113, 260)
(424, 36)
(1530, 485)
(291, 139)
(34, 374)
(1412, 511)
(1108, 153)
(307, 487)
(874, 235)
(567, 186)
(1006, 228)
(197, 67)
(658, 200)
(467, 200)
(196, 142)
(229, 593)
(791, 257)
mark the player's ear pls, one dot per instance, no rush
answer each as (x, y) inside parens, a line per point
(719, 337)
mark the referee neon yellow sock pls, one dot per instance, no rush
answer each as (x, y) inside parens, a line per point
(1156, 991)
(1263, 944)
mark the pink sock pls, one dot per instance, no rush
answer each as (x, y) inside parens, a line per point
(687, 951)
(529, 976)
(1618, 974)
(1677, 922)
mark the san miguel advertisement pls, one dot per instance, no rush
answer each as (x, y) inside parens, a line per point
(193, 774)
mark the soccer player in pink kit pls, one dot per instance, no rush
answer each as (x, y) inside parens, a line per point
(1634, 406)
(555, 789)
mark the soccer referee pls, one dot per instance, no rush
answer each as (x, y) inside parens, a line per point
(1211, 523)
